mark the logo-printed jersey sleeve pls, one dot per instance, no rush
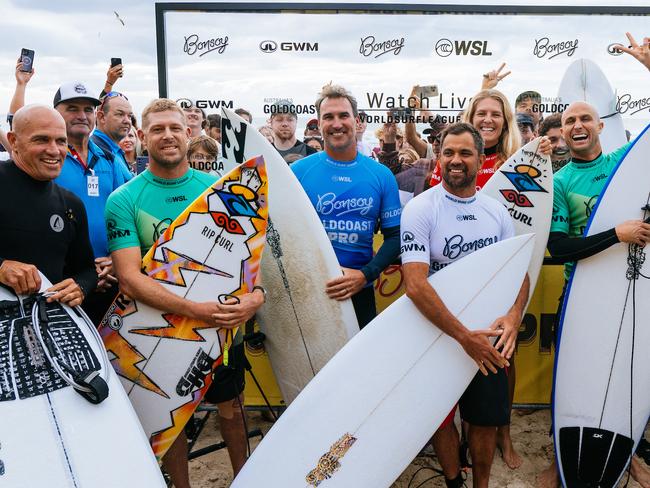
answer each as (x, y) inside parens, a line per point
(138, 213)
(351, 199)
(438, 227)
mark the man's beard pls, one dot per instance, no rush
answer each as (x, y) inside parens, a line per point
(459, 184)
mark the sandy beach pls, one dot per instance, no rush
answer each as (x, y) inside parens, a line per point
(530, 435)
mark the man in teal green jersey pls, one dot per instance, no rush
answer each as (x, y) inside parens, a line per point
(577, 187)
(136, 215)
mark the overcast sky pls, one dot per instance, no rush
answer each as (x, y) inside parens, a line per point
(76, 39)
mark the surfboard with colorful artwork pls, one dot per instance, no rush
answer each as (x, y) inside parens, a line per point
(212, 251)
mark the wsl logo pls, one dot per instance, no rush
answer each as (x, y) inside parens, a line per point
(445, 47)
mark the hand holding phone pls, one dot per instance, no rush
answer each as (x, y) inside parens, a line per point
(427, 91)
(115, 62)
(27, 58)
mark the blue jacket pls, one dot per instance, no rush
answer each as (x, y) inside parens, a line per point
(74, 177)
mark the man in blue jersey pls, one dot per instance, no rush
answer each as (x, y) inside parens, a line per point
(89, 175)
(353, 196)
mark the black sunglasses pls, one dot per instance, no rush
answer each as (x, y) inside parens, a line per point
(312, 127)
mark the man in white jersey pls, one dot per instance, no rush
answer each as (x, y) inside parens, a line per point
(439, 227)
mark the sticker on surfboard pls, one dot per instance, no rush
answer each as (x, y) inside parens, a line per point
(210, 252)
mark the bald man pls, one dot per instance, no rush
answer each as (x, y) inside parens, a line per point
(577, 186)
(43, 226)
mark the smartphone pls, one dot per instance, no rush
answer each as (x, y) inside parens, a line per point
(27, 58)
(141, 163)
(115, 62)
(428, 91)
(401, 112)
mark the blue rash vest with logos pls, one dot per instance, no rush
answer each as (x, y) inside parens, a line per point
(351, 198)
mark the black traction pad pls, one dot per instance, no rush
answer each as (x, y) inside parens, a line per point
(24, 367)
(593, 458)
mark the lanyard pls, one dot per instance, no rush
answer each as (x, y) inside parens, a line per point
(88, 168)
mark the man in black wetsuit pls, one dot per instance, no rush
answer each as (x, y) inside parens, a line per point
(43, 226)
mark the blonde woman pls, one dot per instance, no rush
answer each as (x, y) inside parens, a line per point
(491, 114)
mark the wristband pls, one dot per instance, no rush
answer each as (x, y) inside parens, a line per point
(261, 288)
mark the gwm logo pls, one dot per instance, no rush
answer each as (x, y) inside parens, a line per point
(272, 46)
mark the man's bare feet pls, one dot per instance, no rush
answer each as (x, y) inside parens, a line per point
(504, 443)
(640, 472)
(549, 477)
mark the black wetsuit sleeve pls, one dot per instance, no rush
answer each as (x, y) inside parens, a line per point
(567, 249)
(385, 256)
(79, 261)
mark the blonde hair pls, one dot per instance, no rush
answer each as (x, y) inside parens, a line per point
(161, 105)
(510, 138)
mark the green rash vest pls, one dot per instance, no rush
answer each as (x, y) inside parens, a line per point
(576, 188)
(138, 212)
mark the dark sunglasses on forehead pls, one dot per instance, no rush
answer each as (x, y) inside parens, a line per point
(111, 94)
(312, 127)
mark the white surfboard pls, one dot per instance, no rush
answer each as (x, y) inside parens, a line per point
(366, 415)
(49, 434)
(602, 377)
(304, 328)
(524, 185)
(584, 81)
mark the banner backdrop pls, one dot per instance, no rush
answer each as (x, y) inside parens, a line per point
(252, 58)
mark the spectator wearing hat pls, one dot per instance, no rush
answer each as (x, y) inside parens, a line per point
(88, 174)
(551, 128)
(528, 102)
(526, 126)
(312, 129)
(113, 124)
(283, 122)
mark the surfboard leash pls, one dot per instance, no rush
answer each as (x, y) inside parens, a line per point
(89, 384)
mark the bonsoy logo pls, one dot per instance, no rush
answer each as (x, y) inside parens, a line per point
(195, 45)
(446, 47)
(302, 46)
(544, 47)
(370, 46)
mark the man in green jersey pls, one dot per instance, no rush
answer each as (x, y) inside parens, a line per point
(577, 186)
(136, 215)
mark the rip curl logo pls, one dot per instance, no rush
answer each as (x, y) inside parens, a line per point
(56, 223)
(544, 47)
(456, 245)
(195, 45)
(370, 46)
(328, 204)
(523, 179)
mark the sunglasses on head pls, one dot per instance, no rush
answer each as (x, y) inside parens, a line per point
(312, 127)
(111, 94)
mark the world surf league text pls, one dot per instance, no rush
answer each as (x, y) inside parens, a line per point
(407, 116)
